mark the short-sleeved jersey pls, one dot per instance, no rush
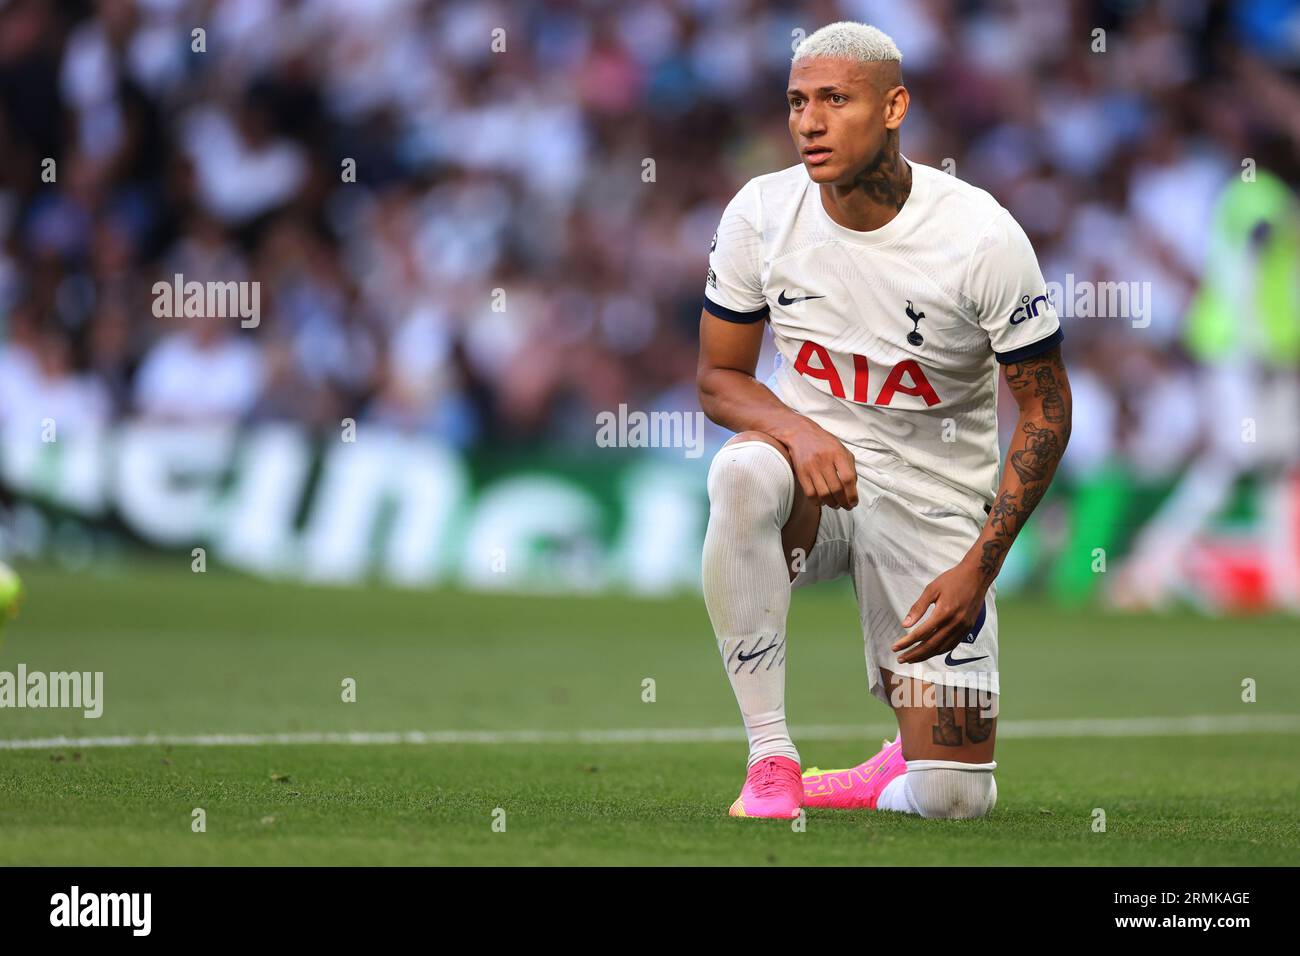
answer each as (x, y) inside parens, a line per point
(889, 339)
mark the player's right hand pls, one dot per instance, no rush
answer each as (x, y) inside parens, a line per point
(823, 467)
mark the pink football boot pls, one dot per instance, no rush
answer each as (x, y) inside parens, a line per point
(773, 788)
(858, 788)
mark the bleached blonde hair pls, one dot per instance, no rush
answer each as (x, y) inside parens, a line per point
(849, 41)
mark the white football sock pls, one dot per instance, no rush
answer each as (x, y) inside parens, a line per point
(894, 796)
(747, 585)
(942, 788)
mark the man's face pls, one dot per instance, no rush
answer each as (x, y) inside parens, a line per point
(839, 115)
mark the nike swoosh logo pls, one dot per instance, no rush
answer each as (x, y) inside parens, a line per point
(784, 301)
(749, 657)
(953, 662)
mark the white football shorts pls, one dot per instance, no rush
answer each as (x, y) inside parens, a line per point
(907, 529)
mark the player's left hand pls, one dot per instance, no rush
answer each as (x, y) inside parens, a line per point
(957, 596)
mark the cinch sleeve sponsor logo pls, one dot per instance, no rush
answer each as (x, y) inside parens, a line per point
(1028, 308)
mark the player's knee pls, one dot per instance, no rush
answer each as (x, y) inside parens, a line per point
(751, 477)
(950, 790)
(746, 437)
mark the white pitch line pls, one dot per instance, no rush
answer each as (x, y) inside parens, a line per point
(1193, 726)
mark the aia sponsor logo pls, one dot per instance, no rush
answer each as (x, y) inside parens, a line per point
(905, 378)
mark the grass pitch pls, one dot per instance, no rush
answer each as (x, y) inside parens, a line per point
(189, 655)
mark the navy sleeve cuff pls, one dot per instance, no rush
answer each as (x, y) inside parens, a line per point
(1034, 348)
(731, 315)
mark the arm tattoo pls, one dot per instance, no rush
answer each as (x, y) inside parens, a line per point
(1005, 511)
(1044, 436)
(1045, 372)
(991, 556)
(1041, 453)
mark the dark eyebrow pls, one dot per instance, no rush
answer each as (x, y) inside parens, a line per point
(820, 89)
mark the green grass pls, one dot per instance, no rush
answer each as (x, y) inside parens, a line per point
(200, 654)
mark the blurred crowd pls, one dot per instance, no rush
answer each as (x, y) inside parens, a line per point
(507, 262)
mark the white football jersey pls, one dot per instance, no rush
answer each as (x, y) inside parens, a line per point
(889, 339)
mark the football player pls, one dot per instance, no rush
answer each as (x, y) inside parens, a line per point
(896, 295)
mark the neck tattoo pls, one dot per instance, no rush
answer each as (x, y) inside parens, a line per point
(888, 180)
